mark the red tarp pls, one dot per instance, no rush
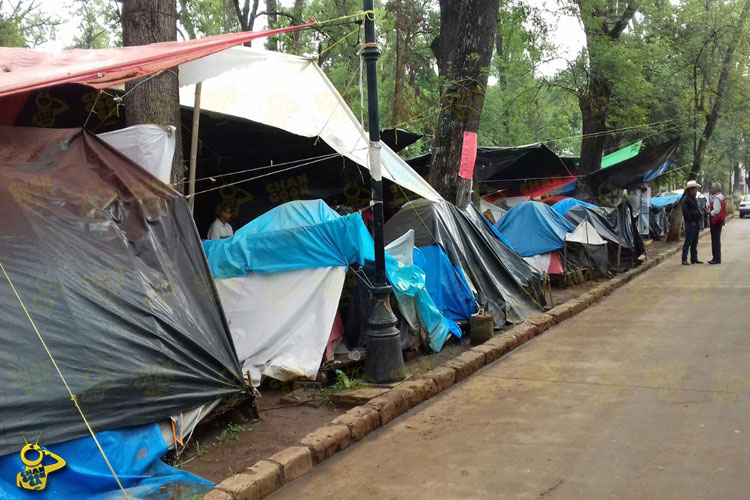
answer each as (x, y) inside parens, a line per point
(22, 70)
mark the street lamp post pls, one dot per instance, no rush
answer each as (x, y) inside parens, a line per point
(384, 362)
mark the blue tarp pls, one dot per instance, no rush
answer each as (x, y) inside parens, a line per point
(135, 454)
(446, 283)
(663, 201)
(562, 206)
(533, 228)
(297, 235)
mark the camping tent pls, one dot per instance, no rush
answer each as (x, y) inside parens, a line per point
(107, 262)
(506, 286)
(533, 228)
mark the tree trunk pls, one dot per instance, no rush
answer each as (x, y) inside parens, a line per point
(399, 114)
(273, 19)
(461, 103)
(445, 45)
(593, 103)
(154, 99)
(713, 117)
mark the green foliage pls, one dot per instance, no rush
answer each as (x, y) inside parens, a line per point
(23, 24)
(100, 25)
(199, 449)
(342, 383)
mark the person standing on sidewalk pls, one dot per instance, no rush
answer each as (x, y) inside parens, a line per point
(691, 212)
(718, 218)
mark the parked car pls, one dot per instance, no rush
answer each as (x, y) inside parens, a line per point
(745, 206)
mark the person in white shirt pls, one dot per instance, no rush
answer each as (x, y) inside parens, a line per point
(718, 219)
(220, 228)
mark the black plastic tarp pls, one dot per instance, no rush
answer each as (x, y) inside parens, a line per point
(497, 168)
(579, 256)
(398, 138)
(658, 222)
(630, 173)
(507, 287)
(108, 263)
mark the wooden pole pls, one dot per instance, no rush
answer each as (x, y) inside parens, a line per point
(194, 145)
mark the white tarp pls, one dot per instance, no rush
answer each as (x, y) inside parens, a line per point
(150, 146)
(280, 322)
(291, 93)
(586, 234)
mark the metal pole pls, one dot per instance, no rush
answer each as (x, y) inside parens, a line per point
(194, 145)
(384, 361)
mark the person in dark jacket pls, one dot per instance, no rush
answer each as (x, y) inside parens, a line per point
(691, 212)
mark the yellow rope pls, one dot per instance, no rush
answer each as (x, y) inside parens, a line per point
(72, 396)
(369, 14)
(355, 30)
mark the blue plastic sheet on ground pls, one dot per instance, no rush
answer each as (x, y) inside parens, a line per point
(663, 201)
(533, 228)
(135, 454)
(562, 206)
(296, 235)
(445, 283)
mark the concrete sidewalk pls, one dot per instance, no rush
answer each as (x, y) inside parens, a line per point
(643, 395)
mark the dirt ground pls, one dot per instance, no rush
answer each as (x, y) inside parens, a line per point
(227, 445)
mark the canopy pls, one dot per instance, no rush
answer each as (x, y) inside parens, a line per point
(24, 70)
(533, 228)
(636, 170)
(109, 265)
(291, 93)
(622, 154)
(666, 200)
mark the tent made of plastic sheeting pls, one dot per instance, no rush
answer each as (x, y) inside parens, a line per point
(150, 146)
(533, 228)
(636, 170)
(666, 200)
(506, 286)
(414, 299)
(108, 263)
(291, 93)
(585, 249)
(280, 277)
(549, 262)
(562, 206)
(134, 453)
(658, 223)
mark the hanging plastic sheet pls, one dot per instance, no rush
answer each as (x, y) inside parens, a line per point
(135, 454)
(446, 283)
(562, 206)
(107, 260)
(150, 146)
(533, 228)
(506, 285)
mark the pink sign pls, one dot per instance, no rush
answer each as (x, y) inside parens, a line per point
(468, 156)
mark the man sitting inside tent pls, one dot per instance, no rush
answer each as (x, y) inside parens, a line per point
(221, 228)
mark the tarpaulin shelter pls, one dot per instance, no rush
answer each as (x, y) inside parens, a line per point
(108, 263)
(533, 228)
(633, 172)
(585, 249)
(280, 278)
(293, 94)
(622, 154)
(506, 286)
(534, 169)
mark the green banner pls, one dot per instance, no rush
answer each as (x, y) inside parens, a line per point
(622, 154)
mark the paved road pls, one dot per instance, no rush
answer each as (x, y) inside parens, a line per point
(644, 395)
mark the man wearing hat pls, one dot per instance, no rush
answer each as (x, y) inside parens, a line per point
(691, 212)
(718, 219)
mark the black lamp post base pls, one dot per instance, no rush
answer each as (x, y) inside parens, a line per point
(384, 362)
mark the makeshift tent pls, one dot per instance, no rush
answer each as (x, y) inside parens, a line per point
(562, 206)
(532, 170)
(280, 278)
(398, 138)
(293, 94)
(107, 261)
(550, 263)
(636, 170)
(506, 286)
(533, 228)
(585, 249)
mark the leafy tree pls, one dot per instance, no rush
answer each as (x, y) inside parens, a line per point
(100, 25)
(23, 24)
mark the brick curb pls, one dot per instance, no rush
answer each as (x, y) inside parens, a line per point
(268, 475)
